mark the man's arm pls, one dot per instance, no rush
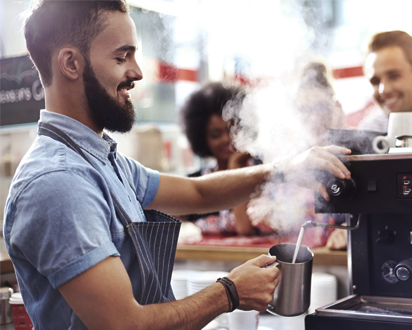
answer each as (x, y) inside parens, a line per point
(227, 189)
(103, 299)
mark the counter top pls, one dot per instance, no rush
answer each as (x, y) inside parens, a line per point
(193, 245)
(322, 255)
(225, 249)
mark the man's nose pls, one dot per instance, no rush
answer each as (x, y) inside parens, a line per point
(383, 88)
(134, 72)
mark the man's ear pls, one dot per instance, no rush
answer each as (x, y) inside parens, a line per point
(70, 62)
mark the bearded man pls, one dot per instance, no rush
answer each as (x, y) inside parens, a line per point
(87, 251)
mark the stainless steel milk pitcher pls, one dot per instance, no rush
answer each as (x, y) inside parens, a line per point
(292, 295)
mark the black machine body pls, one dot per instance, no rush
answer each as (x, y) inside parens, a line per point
(379, 251)
(379, 184)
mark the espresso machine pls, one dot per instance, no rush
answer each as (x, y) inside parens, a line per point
(377, 201)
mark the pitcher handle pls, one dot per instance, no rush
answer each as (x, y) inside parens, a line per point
(272, 264)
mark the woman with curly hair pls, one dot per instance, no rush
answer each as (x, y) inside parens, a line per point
(209, 136)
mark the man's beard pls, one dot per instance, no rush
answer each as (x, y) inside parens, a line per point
(107, 112)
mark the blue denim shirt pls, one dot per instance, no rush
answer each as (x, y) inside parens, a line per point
(60, 218)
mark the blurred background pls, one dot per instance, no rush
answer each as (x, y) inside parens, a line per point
(186, 43)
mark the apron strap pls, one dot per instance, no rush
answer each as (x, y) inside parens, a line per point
(58, 135)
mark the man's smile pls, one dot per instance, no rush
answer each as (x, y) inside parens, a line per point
(391, 101)
(124, 88)
(125, 92)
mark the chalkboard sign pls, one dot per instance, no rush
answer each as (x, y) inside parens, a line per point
(21, 92)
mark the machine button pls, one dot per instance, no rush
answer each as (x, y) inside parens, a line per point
(402, 273)
(335, 189)
(338, 188)
(404, 186)
(372, 185)
(403, 269)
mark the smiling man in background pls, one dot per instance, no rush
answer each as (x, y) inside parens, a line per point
(86, 251)
(388, 67)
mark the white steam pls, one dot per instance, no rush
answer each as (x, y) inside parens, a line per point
(271, 42)
(266, 42)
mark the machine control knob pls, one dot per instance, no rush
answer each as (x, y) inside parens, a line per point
(402, 273)
(338, 188)
(403, 270)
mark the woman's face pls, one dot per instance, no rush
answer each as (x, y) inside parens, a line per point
(218, 138)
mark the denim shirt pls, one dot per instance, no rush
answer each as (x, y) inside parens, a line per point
(60, 218)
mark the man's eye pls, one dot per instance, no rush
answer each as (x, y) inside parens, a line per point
(120, 60)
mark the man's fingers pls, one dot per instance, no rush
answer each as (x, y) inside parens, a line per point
(298, 169)
(338, 150)
(263, 260)
(336, 161)
(336, 167)
(333, 164)
(327, 161)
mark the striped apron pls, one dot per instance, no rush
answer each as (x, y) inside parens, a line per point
(154, 241)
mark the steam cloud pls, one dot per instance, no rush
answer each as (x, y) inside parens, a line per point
(272, 41)
(267, 42)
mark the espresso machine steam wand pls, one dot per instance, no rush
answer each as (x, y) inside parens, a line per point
(309, 224)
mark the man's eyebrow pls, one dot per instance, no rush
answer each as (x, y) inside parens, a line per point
(125, 48)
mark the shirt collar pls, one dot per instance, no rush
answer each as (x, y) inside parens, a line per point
(85, 137)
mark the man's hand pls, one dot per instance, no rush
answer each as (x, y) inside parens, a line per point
(300, 169)
(255, 283)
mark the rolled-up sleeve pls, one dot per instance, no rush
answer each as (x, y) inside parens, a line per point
(145, 180)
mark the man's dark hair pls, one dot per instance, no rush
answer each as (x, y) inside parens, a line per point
(200, 106)
(54, 23)
(392, 38)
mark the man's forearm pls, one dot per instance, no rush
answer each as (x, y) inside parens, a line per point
(226, 189)
(191, 313)
(238, 186)
(212, 192)
(102, 297)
